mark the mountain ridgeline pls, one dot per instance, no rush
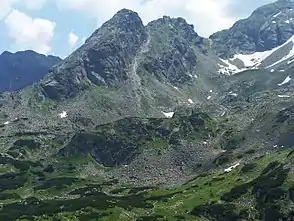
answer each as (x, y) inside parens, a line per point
(154, 122)
(20, 69)
(267, 27)
(124, 51)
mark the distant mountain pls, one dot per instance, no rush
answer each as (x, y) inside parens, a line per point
(268, 27)
(23, 68)
(264, 40)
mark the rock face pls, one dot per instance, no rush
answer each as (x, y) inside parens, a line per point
(23, 68)
(171, 55)
(267, 27)
(124, 51)
(102, 60)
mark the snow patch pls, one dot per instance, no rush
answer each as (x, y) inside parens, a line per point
(233, 94)
(251, 61)
(190, 101)
(195, 76)
(276, 15)
(231, 168)
(223, 113)
(168, 114)
(7, 122)
(284, 96)
(274, 22)
(170, 25)
(254, 60)
(281, 70)
(287, 21)
(176, 88)
(228, 68)
(287, 80)
(272, 70)
(210, 91)
(209, 97)
(63, 114)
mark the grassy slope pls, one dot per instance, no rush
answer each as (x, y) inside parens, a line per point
(63, 195)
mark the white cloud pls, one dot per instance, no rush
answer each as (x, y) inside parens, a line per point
(72, 40)
(34, 4)
(30, 33)
(207, 16)
(6, 7)
(84, 40)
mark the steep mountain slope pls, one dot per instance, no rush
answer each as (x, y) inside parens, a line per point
(23, 68)
(124, 69)
(124, 52)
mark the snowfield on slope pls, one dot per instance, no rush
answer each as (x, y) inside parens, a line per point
(254, 60)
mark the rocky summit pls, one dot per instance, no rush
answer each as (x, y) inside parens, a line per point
(154, 122)
(102, 60)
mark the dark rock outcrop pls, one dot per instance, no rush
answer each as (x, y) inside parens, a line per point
(171, 55)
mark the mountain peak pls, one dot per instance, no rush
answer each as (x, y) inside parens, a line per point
(124, 20)
(103, 60)
(126, 12)
(179, 24)
(125, 16)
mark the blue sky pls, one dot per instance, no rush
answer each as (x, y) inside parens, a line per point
(66, 21)
(60, 26)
